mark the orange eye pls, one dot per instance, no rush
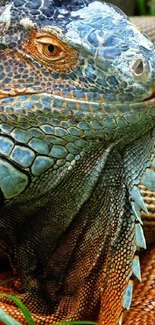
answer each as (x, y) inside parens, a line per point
(50, 50)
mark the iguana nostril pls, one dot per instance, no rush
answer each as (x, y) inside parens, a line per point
(140, 69)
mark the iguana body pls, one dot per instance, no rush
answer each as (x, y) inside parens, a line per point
(77, 135)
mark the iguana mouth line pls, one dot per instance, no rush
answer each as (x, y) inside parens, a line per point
(18, 91)
(150, 98)
(29, 91)
(50, 94)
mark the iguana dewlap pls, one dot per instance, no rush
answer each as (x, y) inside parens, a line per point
(77, 134)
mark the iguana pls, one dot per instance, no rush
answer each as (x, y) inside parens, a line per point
(77, 123)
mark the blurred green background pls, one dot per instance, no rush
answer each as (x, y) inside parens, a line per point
(136, 7)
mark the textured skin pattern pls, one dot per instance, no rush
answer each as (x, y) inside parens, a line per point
(149, 220)
(77, 137)
(142, 311)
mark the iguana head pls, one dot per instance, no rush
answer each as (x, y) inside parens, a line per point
(85, 50)
(69, 71)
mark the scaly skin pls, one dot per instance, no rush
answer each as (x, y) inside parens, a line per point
(77, 118)
(142, 311)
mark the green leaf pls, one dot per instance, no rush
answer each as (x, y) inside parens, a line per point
(7, 281)
(152, 7)
(21, 306)
(141, 4)
(6, 319)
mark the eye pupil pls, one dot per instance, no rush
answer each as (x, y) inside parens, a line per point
(51, 48)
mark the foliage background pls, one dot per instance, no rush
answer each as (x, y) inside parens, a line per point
(136, 7)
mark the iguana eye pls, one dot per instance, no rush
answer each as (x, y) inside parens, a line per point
(51, 48)
(47, 50)
(51, 51)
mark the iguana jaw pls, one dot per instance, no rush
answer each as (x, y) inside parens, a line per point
(26, 91)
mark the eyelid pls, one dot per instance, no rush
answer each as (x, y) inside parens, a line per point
(46, 40)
